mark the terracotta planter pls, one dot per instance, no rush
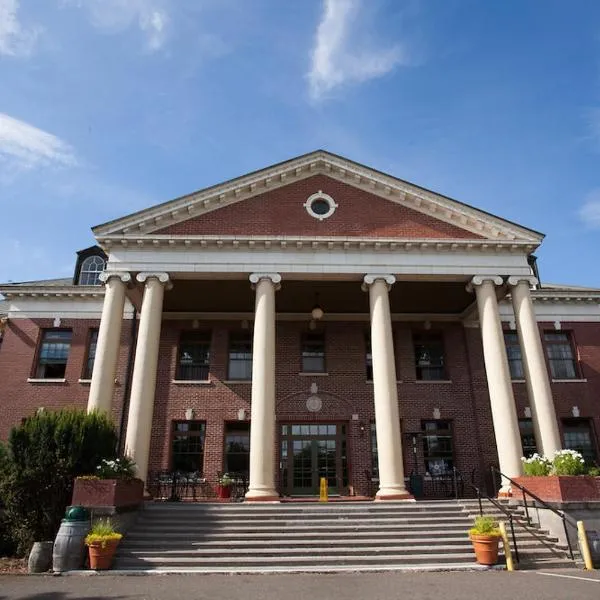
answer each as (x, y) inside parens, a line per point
(223, 491)
(120, 493)
(560, 488)
(101, 555)
(486, 548)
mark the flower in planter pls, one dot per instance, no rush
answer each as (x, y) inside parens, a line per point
(536, 465)
(119, 468)
(568, 462)
(225, 480)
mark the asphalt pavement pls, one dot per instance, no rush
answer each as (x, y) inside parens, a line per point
(489, 585)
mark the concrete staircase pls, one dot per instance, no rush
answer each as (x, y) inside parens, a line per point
(537, 548)
(303, 537)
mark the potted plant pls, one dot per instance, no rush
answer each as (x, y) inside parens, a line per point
(102, 542)
(112, 484)
(485, 536)
(224, 486)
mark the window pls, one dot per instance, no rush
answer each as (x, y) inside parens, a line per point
(438, 447)
(513, 353)
(429, 357)
(187, 450)
(560, 355)
(240, 356)
(91, 354)
(374, 453)
(320, 206)
(313, 353)
(90, 270)
(53, 355)
(194, 357)
(368, 358)
(527, 437)
(237, 448)
(578, 436)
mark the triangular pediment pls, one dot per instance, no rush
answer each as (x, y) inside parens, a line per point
(271, 202)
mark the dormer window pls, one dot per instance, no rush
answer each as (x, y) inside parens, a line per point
(90, 270)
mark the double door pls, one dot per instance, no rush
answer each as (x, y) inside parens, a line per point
(309, 453)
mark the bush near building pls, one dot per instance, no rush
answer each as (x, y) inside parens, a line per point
(45, 454)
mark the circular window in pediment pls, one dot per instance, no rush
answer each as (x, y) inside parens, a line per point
(320, 206)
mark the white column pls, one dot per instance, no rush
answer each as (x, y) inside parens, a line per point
(143, 385)
(536, 373)
(109, 337)
(385, 391)
(261, 486)
(504, 412)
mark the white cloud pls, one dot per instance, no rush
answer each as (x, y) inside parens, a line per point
(23, 146)
(335, 58)
(589, 213)
(15, 40)
(116, 16)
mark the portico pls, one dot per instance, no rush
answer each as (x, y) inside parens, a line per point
(453, 276)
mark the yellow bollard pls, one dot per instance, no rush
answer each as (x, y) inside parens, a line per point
(507, 553)
(584, 546)
(323, 494)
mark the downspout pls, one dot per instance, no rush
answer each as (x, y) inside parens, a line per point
(127, 388)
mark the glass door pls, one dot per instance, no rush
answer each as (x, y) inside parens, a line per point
(310, 452)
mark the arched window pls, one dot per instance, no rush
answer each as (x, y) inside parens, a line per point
(90, 270)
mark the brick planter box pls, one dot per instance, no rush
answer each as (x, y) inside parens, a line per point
(560, 488)
(120, 493)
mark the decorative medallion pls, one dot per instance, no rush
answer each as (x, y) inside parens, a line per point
(314, 404)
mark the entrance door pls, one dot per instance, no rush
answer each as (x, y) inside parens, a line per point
(310, 452)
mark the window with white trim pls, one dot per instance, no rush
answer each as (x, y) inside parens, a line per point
(91, 267)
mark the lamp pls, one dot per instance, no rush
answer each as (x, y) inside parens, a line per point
(317, 312)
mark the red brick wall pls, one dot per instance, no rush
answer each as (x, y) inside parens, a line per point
(463, 400)
(281, 212)
(19, 398)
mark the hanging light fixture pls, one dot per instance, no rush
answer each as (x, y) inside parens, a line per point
(317, 312)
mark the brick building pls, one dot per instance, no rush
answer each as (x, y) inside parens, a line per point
(313, 319)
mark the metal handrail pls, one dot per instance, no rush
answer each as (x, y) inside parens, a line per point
(494, 502)
(544, 504)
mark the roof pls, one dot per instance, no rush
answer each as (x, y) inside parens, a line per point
(444, 208)
(41, 282)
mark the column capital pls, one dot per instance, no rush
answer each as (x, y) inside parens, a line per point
(122, 275)
(274, 277)
(478, 280)
(370, 279)
(160, 277)
(514, 280)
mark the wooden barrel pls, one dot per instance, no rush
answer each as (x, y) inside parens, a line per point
(40, 557)
(69, 546)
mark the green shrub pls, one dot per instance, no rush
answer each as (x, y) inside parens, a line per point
(485, 525)
(536, 465)
(594, 471)
(46, 452)
(568, 462)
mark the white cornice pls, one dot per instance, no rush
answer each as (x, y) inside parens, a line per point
(41, 291)
(395, 190)
(295, 243)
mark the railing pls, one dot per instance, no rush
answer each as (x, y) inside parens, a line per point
(564, 518)
(497, 504)
(177, 486)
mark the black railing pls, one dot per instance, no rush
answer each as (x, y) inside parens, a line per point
(564, 518)
(499, 506)
(177, 486)
(193, 372)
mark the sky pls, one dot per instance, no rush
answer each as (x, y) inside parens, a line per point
(110, 106)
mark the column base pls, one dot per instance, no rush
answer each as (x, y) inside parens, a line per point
(391, 493)
(261, 496)
(505, 492)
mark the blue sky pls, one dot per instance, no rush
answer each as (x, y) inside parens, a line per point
(110, 106)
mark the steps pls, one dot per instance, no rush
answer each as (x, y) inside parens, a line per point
(304, 537)
(536, 547)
